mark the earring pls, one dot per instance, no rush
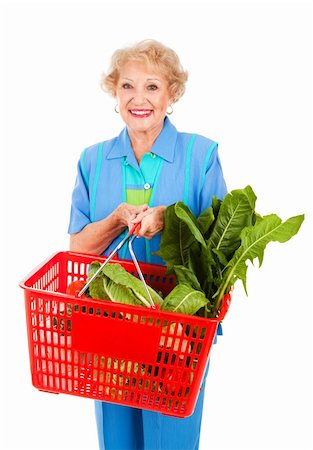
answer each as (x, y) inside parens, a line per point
(115, 109)
(169, 112)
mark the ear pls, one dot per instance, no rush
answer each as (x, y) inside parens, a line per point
(172, 100)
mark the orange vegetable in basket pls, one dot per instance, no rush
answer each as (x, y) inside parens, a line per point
(75, 287)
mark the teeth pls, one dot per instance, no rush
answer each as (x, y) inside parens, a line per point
(140, 113)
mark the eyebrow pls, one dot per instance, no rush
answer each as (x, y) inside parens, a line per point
(148, 79)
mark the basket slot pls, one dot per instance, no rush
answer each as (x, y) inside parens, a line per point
(77, 270)
(49, 281)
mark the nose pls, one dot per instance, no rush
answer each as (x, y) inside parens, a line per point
(139, 97)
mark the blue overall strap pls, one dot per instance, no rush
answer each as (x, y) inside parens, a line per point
(187, 168)
(95, 182)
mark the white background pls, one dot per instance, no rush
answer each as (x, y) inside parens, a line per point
(250, 89)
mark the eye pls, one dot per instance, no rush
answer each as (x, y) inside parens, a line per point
(152, 87)
(126, 86)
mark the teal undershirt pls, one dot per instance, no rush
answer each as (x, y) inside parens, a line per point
(139, 183)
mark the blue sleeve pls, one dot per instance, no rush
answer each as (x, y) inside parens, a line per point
(80, 208)
(213, 181)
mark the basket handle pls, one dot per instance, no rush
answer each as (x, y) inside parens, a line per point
(131, 251)
(133, 232)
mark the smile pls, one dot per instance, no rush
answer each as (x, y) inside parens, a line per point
(141, 113)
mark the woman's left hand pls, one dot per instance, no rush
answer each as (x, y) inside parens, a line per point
(152, 221)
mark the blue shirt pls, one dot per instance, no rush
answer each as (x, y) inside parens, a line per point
(189, 171)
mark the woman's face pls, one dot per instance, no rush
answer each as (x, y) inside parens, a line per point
(142, 96)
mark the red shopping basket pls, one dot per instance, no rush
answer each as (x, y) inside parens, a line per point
(135, 356)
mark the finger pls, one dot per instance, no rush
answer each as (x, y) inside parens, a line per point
(141, 231)
(147, 236)
(140, 216)
(134, 228)
(137, 229)
(140, 209)
(146, 231)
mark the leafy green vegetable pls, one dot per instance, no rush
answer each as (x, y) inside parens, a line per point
(186, 275)
(184, 299)
(184, 214)
(253, 242)
(236, 212)
(96, 288)
(209, 253)
(177, 240)
(116, 284)
(117, 274)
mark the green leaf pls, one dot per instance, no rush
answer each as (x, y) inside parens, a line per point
(176, 240)
(205, 269)
(253, 242)
(120, 293)
(221, 257)
(235, 213)
(185, 275)
(96, 287)
(256, 218)
(183, 213)
(116, 284)
(184, 299)
(216, 205)
(205, 220)
(120, 276)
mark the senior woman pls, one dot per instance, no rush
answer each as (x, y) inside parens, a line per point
(132, 178)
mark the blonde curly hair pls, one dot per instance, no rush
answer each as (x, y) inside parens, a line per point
(153, 54)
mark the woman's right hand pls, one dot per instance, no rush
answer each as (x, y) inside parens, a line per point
(125, 213)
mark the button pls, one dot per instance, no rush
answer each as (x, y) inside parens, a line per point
(146, 186)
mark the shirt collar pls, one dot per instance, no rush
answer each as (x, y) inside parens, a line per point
(164, 145)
